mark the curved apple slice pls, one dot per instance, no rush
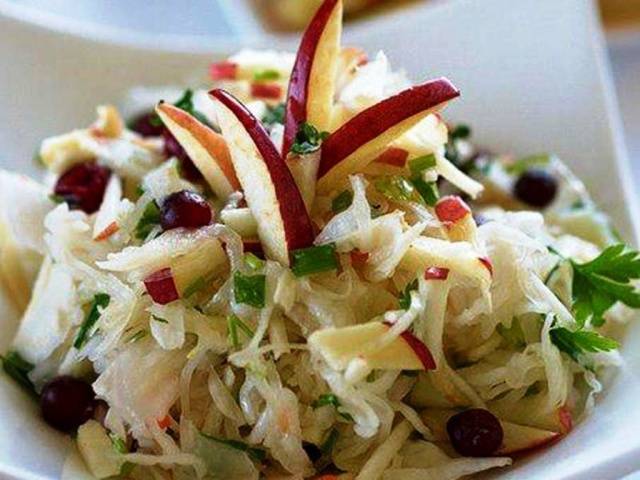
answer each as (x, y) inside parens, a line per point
(457, 219)
(360, 140)
(312, 82)
(269, 187)
(207, 149)
(339, 346)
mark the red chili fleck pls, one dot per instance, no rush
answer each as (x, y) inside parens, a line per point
(161, 286)
(486, 261)
(266, 90)
(394, 156)
(436, 273)
(358, 258)
(451, 209)
(223, 70)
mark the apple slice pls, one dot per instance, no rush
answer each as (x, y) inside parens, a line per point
(207, 149)
(339, 346)
(270, 189)
(457, 219)
(241, 221)
(312, 82)
(304, 169)
(106, 223)
(360, 140)
(519, 438)
(349, 60)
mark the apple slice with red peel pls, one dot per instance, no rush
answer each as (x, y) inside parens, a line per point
(520, 438)
(339, 346)
(269, 187)
(304, 169)
(206, 148)
(457, 219)
(360, 140)
(313, 77)
(106, 223)
(394, 156)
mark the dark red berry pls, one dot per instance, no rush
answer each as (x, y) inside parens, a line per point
(82, 186)
(184, 209)
(66, 403)
(148, 125)
(173, 149)
(475, 433)
(536, 188)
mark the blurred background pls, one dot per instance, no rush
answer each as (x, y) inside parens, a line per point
(258, 20)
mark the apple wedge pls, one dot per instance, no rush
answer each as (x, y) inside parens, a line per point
(269, 187)
(106, 223)
(207, 149)
(241, 221)
(457, 219)
(313, 78)
(339, 346)
(360, 140)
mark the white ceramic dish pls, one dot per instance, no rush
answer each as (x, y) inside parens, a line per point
(533, 78)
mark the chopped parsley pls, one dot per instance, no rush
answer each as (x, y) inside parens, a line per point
(186, 103)
(427, 190)
(342, 201)
(420, 164)
(308, 139)
(578, 342)
(18, 369)
(257, 454)
(149, 220)
(100, 301)
(249, 289)
(405, 296)
(233, 325)
(605, 280)
(306, 261)
(274, 114)
(331, 399)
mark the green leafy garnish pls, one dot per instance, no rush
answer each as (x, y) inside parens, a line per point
(100, 301)
(579, 342)
(427, 190)
(460, 131)
(396, 188)
(330, 399)
(249, 289)
(149, 220)
(523, 164)
(18, 369)
(186, 103)
(233, 325)
(605, 280)
(257, 454)
(308, 139)
(420, 164)
(266, 75)
(274, 114)
(306, 261)
(118, 443)
(405, 296)
(342, 201)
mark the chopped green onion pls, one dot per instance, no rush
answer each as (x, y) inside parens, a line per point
(274, 114)
(396, 188)
(249, 289)
(314, 260)
(233, 324)
(18, 369)
(253, 262)
(307, 139)
(342, 201)
(264, 75)
(427, 190)
(257, 454)
(330, 399)
(420, 164)
(118, 443)
(405, 296)
(100, 301)
(523, 164)
(150, 219)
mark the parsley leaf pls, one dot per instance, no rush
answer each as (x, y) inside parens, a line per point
(342, 201)
(579, 342)
(405, 296)
(185, 102)
(150, 218)
(18, 369)
(600, 283)
(396, 188)
(274, 114)
(307, 139)
(331, 399)
(249, 289)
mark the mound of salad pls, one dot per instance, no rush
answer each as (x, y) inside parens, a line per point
(303, 271)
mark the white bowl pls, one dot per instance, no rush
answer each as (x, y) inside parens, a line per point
(533, 78)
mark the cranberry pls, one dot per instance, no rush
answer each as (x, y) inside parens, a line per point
(536, 188)
(475, 433)
(173, 149)
(184, 209)
(83, 186)
(66, 403)
(148, 124)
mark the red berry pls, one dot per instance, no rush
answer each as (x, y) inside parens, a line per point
(475, 433)
(66, 403)
(83, 186)
(536, 188)
(185, 209)
(148, 124)
(172, 148)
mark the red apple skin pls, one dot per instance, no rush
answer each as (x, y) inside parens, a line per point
(451, 209)
(268, 91)
(377, 119)
(161, 286)
(486, 261)
(298, 92)
(436, 273)
(419, 348)
(394, 156)
(297, 223)
(223, 70)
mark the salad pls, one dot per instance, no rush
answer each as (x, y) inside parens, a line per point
(302, 270)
